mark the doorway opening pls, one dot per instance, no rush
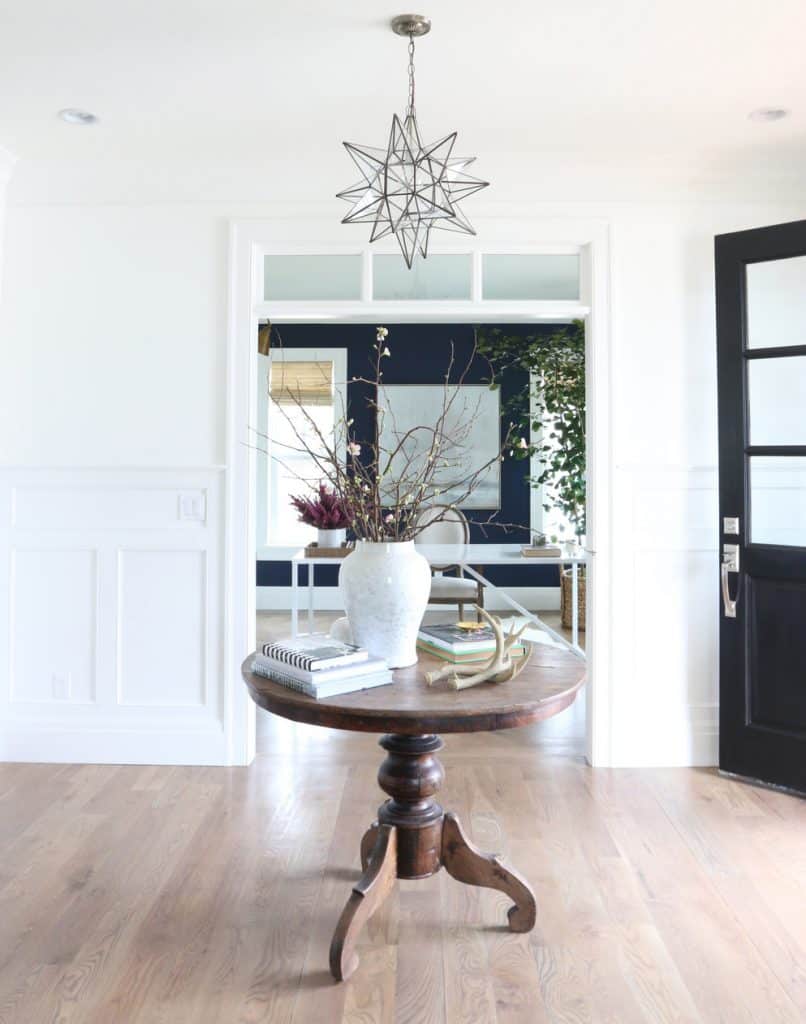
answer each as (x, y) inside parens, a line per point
(304, 286)
(304, 376)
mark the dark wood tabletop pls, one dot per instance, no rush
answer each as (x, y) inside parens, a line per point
(408, 706)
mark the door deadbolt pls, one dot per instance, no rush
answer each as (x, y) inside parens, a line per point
(730, 526)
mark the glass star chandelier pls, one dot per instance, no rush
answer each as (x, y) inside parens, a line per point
(410, 188)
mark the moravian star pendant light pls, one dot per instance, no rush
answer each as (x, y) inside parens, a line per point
(410, 188)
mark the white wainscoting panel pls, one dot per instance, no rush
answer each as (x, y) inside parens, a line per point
(109, 508)
(162, 627)
(111, 611)
(665, 638)
(54, 602)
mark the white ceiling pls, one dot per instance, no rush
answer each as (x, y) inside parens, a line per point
(227, 96)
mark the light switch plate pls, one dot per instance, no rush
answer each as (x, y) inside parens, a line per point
(192, 508)
(60, 685)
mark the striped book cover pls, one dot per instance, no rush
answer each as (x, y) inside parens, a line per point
(314, 652)
(324, 675)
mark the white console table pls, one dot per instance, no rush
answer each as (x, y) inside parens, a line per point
(469, 557)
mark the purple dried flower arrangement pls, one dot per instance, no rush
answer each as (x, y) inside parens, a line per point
(326, 510)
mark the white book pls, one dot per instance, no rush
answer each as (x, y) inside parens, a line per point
(326, 675)
(332, 689)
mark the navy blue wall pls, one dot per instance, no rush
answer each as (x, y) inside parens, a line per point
(420, 354)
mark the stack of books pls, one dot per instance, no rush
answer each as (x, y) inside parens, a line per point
(320, 667)
(459, 644)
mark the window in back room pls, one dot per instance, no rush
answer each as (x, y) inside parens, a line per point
(302, 392)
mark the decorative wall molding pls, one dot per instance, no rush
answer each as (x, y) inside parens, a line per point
(666, 634)
(75, 584)
(180, 677)
(114, 507)
(111, 616)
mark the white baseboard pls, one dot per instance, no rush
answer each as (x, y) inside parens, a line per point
(326, 599)
(688, 738)
(205, 745)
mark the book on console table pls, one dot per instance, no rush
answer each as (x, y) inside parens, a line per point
(541, 551)
(327, 682)
(456, 640)
(462, 658)
(341, 671)
(315, 652)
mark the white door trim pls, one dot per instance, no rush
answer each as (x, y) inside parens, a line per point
(531, 232)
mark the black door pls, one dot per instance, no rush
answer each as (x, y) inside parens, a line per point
(761, 349)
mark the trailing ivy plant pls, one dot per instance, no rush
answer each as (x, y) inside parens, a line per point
(549, 418)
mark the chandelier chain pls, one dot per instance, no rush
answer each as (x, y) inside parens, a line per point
(410, 108)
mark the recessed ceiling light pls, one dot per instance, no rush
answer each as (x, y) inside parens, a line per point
(768, 114)
(74, 116)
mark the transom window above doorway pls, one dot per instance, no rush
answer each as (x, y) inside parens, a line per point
(456, 277)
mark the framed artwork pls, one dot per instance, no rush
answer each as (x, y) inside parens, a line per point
(402, 407)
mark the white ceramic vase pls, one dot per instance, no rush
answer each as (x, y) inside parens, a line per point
(384, 588)
(330, 538)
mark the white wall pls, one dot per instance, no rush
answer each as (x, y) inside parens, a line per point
(113, 337)
(6, 167)
(113, 349)
(111, 485)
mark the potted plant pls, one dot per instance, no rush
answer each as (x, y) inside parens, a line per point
(549, 421)
(328, 512)
(384, 487)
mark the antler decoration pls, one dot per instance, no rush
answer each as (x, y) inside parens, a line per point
(500, 667)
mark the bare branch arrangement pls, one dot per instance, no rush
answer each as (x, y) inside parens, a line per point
(387, 486)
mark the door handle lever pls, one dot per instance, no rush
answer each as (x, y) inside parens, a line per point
(730, 563)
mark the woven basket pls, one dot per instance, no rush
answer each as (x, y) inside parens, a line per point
(566, 598)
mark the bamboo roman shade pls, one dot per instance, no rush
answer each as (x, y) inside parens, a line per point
(302, 382)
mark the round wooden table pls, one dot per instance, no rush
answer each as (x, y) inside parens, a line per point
(413, 837)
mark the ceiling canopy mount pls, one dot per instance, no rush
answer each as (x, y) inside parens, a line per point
(411, 25)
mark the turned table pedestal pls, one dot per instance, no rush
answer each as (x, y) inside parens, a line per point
(413, 837)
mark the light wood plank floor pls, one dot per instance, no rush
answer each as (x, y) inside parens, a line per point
(209, 895)
(173, 895)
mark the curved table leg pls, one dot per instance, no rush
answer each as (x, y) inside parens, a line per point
(368, 841)
(467, 864)
(368, 894)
